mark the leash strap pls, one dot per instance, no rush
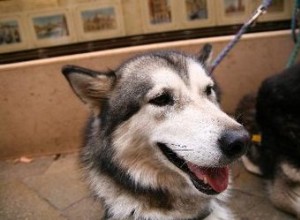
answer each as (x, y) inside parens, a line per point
(259, 11)
(293, 23)
(295, 19)
(295, 52)
(296, 37)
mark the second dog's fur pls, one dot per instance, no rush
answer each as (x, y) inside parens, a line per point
(277, 155)
(278, 115)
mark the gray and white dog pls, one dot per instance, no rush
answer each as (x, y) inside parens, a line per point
(157, 144)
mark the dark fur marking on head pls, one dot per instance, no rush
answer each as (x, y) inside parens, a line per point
(177, 62)
(127, 101)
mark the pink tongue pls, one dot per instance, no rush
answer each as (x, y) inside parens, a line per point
(217, 177)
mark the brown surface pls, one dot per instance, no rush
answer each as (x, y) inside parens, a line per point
(48, 189)
(41, 115)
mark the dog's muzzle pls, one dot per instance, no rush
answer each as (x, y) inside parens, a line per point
(209, 180)
(212, 180)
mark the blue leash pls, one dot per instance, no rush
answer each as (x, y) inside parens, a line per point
(296, 37)
(295, 19)
(259, 11)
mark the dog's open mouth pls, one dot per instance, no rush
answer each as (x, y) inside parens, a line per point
(209, 180)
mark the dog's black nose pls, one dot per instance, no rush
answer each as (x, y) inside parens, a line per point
(234, 143)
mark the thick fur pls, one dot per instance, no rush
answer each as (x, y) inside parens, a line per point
(123, 164)
(277, 157)
(278, 115)
(246, 115)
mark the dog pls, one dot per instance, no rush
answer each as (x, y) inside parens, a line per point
(157, 144)
(275, 117)
(245, 114)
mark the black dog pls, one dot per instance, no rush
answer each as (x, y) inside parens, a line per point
(277, 156)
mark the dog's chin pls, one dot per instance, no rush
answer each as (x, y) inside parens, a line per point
(208, 180)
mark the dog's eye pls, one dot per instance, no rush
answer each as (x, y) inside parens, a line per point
(162, 100)
(208, 90)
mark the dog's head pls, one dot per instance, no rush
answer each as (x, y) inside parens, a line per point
(161, 115)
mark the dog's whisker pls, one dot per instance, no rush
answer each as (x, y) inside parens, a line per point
(183, 150)
(237, 117)
(184, 163)
(293, 195)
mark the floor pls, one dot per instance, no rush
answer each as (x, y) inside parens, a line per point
(51, 188)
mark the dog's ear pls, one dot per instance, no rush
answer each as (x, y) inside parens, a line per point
(90, 86)
(205, 55)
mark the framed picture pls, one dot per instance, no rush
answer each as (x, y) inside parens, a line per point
(51, 28)
(158, 15)
(233, 11)
(196, 13)
(99, 20)
(278, 10)
(12, 33)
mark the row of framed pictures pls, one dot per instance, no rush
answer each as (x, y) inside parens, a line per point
(105, 19)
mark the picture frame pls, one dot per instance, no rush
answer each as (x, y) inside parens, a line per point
(278, 10)
(99, 20)
(10, 6)
(13, 36)
(72, 2)
(197, 13)
(51, 27)
(232, 11)
(159, 15)
(28, 5)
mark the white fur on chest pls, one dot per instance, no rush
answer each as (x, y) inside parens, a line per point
(121, 205)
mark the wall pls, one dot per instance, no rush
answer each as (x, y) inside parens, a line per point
(40, 115)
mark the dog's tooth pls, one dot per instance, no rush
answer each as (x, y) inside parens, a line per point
(205, 180)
